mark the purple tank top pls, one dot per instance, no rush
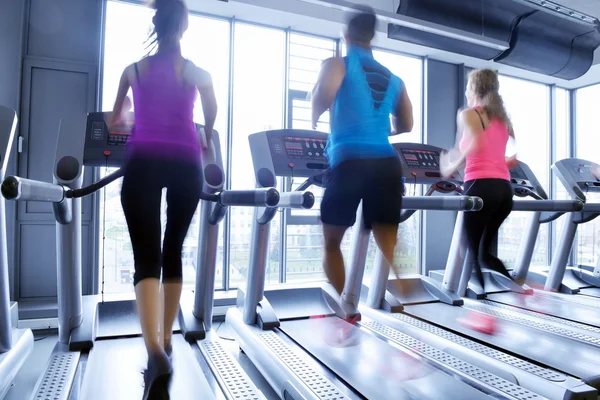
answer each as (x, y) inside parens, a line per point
(164, 113)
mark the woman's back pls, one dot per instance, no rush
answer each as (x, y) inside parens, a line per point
(487, 160)
(164, 109)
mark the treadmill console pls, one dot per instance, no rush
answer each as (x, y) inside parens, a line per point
(524, 182)
(290, 152)
(578, 176)
(105, 147)
(421, 164)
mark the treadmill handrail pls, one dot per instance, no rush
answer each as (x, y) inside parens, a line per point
(549, 205)
(21, 189)
(448, 203)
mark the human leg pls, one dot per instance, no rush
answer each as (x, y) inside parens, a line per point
(475, 223)
(140, 198)
(503, 191)
(333, 260)
(338, 213)
(382, 205)
(183, 195)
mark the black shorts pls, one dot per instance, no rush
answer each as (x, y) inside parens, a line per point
(377, 182)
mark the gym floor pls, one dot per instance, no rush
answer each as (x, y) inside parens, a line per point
(45, 341)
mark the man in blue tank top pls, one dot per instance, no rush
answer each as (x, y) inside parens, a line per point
(361, 94)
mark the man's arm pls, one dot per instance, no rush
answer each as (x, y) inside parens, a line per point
(330, 80)
(403, 116)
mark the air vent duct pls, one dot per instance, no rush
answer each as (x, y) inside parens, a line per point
(544, 37)
(552, 45)
(494, 21)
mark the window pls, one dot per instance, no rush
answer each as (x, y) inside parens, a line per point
(527, 104)
(304, 243)
(587, 142)
(562, 150)
(258, 105)
(207, 45)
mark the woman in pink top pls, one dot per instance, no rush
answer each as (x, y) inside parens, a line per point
(164, 152)
(484, 130)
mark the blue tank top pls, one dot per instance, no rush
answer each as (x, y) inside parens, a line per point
(360, 118)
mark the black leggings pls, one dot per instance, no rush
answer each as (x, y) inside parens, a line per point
(482, 227)
(141, 197)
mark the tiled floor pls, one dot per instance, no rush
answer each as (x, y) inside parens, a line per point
(45, 341)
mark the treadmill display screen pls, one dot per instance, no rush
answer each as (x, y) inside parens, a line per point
(421, 159)
(517, 174)
(300, 147)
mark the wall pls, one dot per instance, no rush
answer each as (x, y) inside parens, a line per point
(11, 48)
(60, 68)
(444, 95)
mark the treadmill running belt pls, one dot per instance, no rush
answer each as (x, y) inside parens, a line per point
(114, 371)
(572, 357)
(371, 366)
(551, 306)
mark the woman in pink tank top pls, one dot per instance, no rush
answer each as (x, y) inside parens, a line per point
(484, 130)
(164, 152)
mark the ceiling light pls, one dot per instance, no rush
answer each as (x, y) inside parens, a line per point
(418, 24)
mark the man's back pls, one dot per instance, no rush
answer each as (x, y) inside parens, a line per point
(361, 111)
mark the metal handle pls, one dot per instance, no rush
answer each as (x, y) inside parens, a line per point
(303, 200)
(455, 203)
(15, 188)
(250, 198)
(548, 205)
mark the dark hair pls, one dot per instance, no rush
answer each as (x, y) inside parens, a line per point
(168, 21)
(361, 24)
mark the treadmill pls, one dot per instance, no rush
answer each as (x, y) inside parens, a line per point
(385, 311)
(85, 364)
(15, 344)
(290, 334)
(576, 176)
(568, 348)
(579, 312)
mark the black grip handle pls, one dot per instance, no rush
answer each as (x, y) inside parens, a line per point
(10, 188)
(250, 198)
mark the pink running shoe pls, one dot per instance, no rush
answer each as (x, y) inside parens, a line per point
(479, 322)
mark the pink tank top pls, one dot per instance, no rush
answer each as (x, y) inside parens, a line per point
(164, 113)
(487, 160)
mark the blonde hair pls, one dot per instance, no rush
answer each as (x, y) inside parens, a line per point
(485, 85)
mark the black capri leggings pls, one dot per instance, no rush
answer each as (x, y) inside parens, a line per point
(141, 195)
(482, 227)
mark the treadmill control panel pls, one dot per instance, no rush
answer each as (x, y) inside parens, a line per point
(421, 159)
(421, 165)
(294, 152)
(524, 183)
(104, 146)
(578, 176)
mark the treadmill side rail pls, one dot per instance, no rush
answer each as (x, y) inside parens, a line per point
(233, 380)
(287, 373)
(61, 366)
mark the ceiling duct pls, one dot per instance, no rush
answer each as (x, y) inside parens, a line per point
(552, 45)
(492, 22)
(426, 27)
(544, 37)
